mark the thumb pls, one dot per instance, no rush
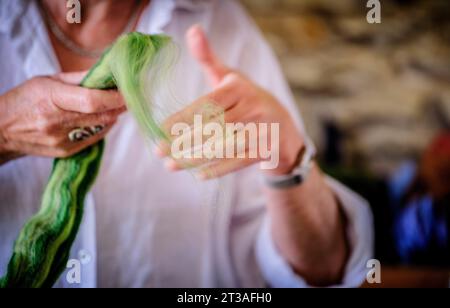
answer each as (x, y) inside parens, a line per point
(200, 49)
(73, 78)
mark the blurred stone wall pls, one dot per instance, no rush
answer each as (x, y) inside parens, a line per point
(385, 86)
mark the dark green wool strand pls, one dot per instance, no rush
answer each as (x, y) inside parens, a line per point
(41, 251)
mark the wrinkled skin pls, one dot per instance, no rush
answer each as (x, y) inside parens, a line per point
(37, 116)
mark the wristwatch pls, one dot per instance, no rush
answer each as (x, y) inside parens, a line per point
(300, 173)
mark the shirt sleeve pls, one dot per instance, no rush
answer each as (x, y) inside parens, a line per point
(258, 62)
(277, 272)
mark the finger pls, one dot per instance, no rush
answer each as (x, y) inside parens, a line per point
(57, 130)
(72, 148)
(186, 115)
(62, 150)
(215, 115)
(74, 78)
(196, 156)
(73, 120)
(35, 149)
(200, 49)
(78, 99)
(244, 113)
(223, 168)
(185, 164)
(234, 145)
(209, 106)
(58, 138)
(193, 136)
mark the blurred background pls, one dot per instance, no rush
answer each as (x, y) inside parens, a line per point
(375, 98)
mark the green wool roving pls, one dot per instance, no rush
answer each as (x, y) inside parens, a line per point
(42, 248)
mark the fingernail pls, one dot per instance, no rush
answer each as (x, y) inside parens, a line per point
(201, 176)
(171, 165)
(159, 152)
(194, 30)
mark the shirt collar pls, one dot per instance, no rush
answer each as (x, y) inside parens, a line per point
(192, 5)
(160, 13)
(10, 11)
(39, 58)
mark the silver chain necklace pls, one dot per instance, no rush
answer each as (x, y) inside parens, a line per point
(69, 44)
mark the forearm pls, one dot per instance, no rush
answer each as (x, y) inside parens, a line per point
(5, 154)
(309, 229)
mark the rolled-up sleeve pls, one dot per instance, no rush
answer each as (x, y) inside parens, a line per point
(277, 272)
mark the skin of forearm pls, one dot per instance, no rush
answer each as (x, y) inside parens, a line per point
(308, 229)
(7, 153)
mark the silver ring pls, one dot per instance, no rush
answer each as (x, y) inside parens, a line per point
(83, 133)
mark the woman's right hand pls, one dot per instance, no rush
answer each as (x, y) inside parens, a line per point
(37, 116)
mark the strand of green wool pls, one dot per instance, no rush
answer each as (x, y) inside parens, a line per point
(42, 249)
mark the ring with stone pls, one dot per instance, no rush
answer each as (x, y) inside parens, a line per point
(83, 133)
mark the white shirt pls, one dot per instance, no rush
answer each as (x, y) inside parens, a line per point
(147, 227)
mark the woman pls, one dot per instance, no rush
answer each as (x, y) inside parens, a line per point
(145, 226)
